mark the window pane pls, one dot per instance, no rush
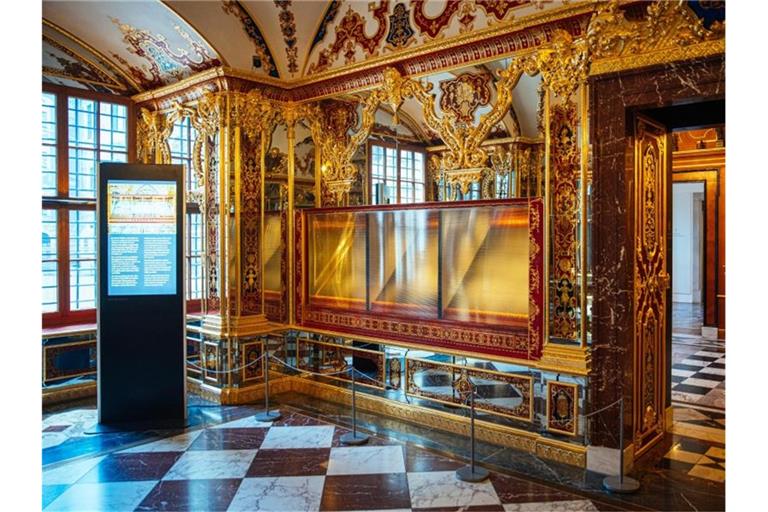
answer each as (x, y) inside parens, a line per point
(49, 170)
(82, 122)
(418, 166)
(112, 133)
(49, 144)
(419, 193)
(181, 142)
(194, 252)
(50, 286)
(106, 156)
(49, 118)
(82, 173)
(49, 235)
(82, 253)
(50, 265)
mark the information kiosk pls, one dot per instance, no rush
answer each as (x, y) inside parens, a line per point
(141, 309)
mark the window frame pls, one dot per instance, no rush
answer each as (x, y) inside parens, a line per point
(398, 147)
(194, 305)
(63, 203)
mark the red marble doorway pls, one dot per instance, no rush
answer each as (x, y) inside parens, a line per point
(614, 101)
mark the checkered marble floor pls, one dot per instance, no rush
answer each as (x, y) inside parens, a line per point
(297, 463)
(698, 445)
(698, 378)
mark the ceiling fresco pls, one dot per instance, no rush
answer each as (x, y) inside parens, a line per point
(68, 62)
(146, 44)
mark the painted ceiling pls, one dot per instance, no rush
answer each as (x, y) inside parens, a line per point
(128, 47)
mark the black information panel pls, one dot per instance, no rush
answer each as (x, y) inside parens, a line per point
(141, 324)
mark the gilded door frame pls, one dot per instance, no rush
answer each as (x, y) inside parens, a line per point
(652, 186)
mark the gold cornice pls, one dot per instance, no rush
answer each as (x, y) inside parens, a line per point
(93, 50)
(202, 77)
(662, 56)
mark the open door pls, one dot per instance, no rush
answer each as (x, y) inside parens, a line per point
(651, 281)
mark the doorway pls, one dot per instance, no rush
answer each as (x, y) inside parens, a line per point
(688, 270)
(679, 365)
(697, 377)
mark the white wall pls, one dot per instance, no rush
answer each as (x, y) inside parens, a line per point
(687, 241)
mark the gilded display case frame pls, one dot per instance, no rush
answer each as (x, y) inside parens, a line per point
(470, 372)
(431, 334)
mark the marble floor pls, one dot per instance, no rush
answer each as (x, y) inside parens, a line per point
(698, 365)
(697, 444)
(297, 463)
(687, 318)
(189, 462)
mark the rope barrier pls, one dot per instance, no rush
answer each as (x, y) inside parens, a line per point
(237, 369)
(604, 408)
(302, 370)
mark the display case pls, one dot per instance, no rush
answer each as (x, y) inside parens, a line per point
(465, 276)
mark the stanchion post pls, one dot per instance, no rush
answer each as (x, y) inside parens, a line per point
(267, 415)
(353, 438)
(471, 473)
(621, 484)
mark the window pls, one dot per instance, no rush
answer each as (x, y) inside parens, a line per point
(78, 132)
(180, 141)
(397, 175)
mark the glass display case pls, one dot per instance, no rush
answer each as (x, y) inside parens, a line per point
(466, 276)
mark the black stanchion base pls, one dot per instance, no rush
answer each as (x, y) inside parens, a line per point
(268, 416)
(466, 474)
(616, 484)
(354, 439)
